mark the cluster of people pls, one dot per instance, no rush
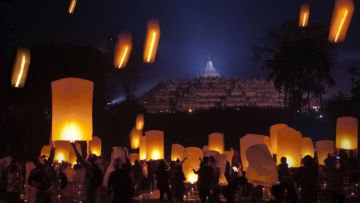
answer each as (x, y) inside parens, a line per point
(93, 180)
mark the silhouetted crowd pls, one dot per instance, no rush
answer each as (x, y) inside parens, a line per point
(46, 181)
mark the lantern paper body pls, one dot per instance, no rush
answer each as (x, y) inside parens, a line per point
(340, 22)
(347, 133)
(307, 147)
(216, 142)
(142, 148)
(152, 41)
(323, 149)
(45, 150)
(273, 136)
(304, 15)
(193, 155)
(262, 168)
(135, 136)
(289, 146)
(72, 109)
(221, 164)
(62, 151)
(154, 144)
(95, 146)
(229, 155)
(267, 142)
(72, 155)
(20, 67)
(122, 50)
(139, 121)
(205, 148)
(177, 152)
(210, 153)
(246, 142)
(72, 6)
(133, 158)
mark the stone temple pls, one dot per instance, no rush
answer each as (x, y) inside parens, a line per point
(211, 91)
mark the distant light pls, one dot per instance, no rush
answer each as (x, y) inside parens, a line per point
(20, 67)
(72, 6)
(152, 41)
(304, 15)
(342, 14)
(122, 50)
(190, 110)
(321, 116)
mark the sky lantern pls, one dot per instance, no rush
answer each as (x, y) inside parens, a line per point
(323, 149)
(122, 50)
(229, 155)
(193, 154)
(72, 109)
(340, 22)
(139, 121)
(307, 147)
(142, 148)
(304, 15)
(273, 136)
(289, 146)
(177, 152)
(72, 6)
(20, 67)
(95, 146)
(62, 151)
(267, 142)
(152, 41)
(135, 136)
(45, 150)
(246, 142)
(133, 157)
(216, 142)
(347, 133)
(154, 144)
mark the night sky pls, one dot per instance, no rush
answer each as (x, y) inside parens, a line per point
(190, 30)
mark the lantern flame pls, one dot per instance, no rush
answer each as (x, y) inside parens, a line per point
(346, 144)
(72, 6)
(192, 178)
(71, 132)
(20, 67)
(152, 41)
(122, 50)
(60, 157)
(304, 15)
(341, 19)
(155, 155)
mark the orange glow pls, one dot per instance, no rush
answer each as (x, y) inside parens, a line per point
(347, 133)
(274, 136)
(133, 157)
(216, 142)
(289, 146)
(45, 150)
(193, 154)
(135, 136)
(304, 15)
(307, 147)
(95, 146)
(342, 14)
(154, 144)
(122, 50)
(142, 148)
(62, 152)
(177, 152)
(152, 41)
(20, 67)
(140, 121)
(72, 6)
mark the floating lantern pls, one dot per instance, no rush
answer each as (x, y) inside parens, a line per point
(304, 15)
(347, 133)
(45, 150)
(323, 149)
(216, 142)
(193, 154)
(20, 67)
(152, 41)
(229, 155)
(246, 142)
(142, 148)
(289, 146)
(62, 151)
(177, 152)
(95, 146)
(135, 136)
(307, 147)
(133, 157)
(72, 155)
(72, 109)
(154, 144)
(273, 136)
(140, 121)
(72, 6)
(340, 22)
(267, 142)
(122, 50)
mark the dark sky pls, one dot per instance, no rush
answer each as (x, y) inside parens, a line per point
(190, 29)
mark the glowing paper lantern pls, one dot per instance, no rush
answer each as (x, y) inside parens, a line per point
(267, 142)
(246, 142)
(154, 144)
(262, 168)
(216, 142)
(133, 158)
(205, 148)
(340, 22)
(95, 146)
(304, 15)
(323, 149)
(72, 155)
(307, 147)
(289, 146)
(45, 150)
(347, 133)
(72, 6)
(20, 67)
(193, 154)
(72, 109)
(140, 121)
(273, 136)
(221, 164)
(152, 41)
(142, 148)
(229, 155)
(135, 136)
(177, 152)
(62, 151)
(122, 50)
